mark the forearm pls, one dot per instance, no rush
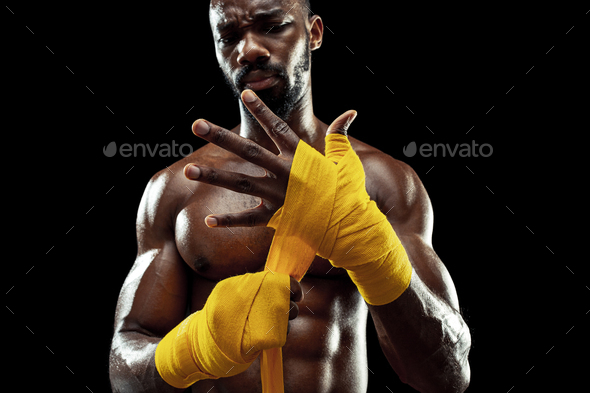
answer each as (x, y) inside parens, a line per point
(132, 367)
(430, 338)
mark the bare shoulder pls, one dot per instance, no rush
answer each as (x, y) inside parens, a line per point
(375, 160)
(397, 190)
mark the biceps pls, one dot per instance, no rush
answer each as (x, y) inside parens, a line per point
(153, 298)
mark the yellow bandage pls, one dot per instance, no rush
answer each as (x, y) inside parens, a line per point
(299, 228)
(243, 315)
(327, 211)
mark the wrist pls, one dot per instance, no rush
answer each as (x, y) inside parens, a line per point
(175, 358)
(226, 336)
(383, 280)
(370, 250)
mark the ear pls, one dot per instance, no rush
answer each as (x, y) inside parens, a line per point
(316, 33)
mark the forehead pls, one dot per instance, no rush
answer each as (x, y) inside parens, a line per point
(225, 11)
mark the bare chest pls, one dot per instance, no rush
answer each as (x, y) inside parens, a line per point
(218, 253)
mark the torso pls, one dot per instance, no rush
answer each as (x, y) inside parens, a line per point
(326, 347)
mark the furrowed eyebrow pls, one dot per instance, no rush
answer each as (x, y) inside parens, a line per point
(263, 15)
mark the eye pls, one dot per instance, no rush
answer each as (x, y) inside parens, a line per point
(276, 28)
(228, 39)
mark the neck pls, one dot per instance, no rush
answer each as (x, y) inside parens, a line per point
(302, 121)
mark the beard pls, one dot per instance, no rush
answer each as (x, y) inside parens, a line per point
(280, 100)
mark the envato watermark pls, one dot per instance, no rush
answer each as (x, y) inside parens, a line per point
(444, 150)
(145, 150)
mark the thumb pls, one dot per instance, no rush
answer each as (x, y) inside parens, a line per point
(342, 122)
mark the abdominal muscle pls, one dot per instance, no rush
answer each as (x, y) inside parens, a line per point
(326, 345)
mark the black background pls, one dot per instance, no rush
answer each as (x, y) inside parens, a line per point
(511, 228)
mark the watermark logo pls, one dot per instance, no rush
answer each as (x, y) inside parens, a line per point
(410, 150)
(443, 150)
(110, 149)
(164, 150)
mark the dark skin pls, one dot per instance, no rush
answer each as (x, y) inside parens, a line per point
(195, 228)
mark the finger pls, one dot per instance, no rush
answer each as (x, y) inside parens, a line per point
(295, 296)
(256, 186)
(296, 290)
(293, 310)
(257, 216)
(342, 122)
(282, 135)
(242, 147)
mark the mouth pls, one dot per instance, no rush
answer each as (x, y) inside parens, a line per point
(262, 83)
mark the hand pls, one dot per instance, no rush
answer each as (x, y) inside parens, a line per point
(272, 187)
(296, 296)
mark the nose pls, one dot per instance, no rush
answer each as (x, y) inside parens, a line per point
(252, 50)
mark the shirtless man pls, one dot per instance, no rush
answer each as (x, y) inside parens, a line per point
(265, 46)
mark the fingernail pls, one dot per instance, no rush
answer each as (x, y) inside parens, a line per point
(202, 128)
(193, 172)
(249, 96)
(210, 221)
(351, 118)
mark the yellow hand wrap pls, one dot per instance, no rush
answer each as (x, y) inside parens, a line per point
(242, 316)
(327, 210)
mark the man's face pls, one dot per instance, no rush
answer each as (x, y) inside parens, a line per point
(259, 39)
